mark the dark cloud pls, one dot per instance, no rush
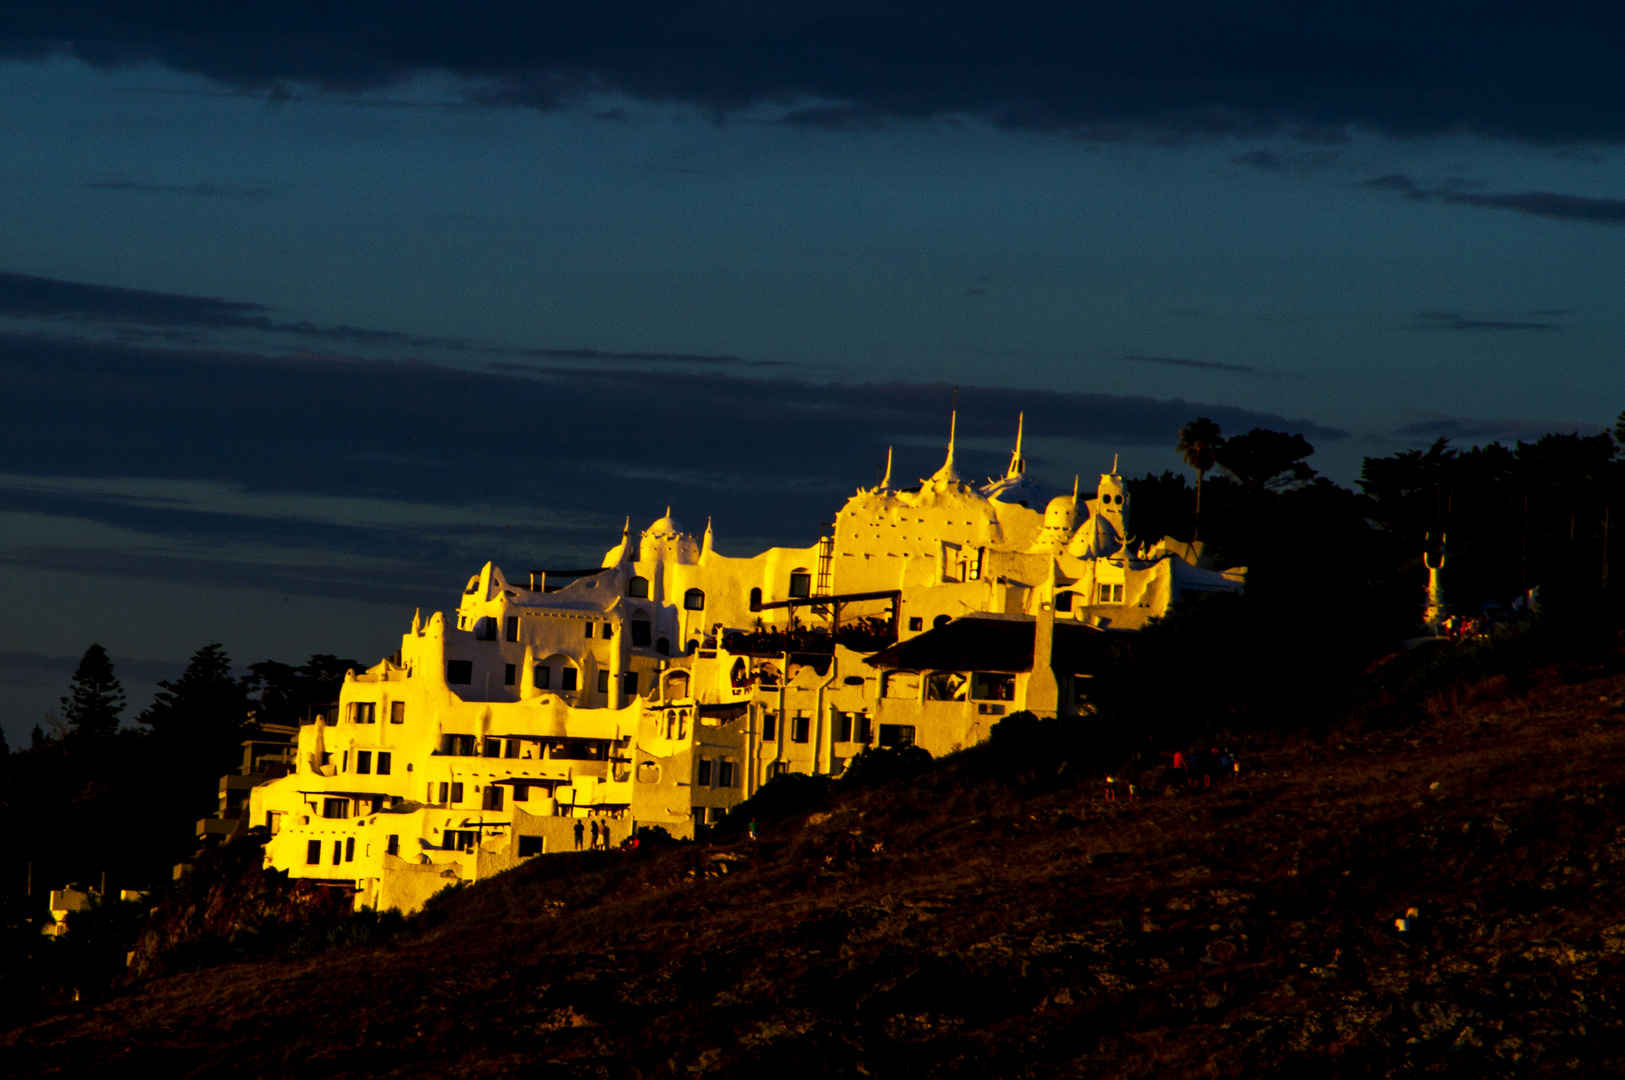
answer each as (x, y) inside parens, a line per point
(207, 191)
(1476, 431)
(1209, 365)
(1450, 320)
(1546, 73)
(1536, 203)
(1285, 162)
(28, 297)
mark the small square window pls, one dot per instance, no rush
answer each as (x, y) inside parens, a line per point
(397, 712)
(608, 631)
(383, 762)
(529, 845)
(460, 672)
(799, 727)
(631, 681)
(510, 672)
(800, 585)
(567, 679)
(394, 847)
(725, 774)
(540, 674)
(843, 727)
(1117, 594)
(588, 627)
(511, 628)
(363, 762)
(603, 681)
(313, 853)
(916, 622)
(640, 633)
(457, 792)
(705, 773)
(1063, 601)
(493, 748)
(521, 792)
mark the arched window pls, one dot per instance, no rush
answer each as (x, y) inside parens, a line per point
(756, 599)
(694, 600)
(676, 685)
(637, 587)
(800, 583)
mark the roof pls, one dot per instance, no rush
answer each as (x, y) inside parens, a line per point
(1001, 643)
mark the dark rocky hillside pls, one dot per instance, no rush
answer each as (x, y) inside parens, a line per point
(994, 917)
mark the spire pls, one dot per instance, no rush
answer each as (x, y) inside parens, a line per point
(1018, 465)
(946, 474)
(1074, 488)
(885, 485)
(705, 544)
(1114, 464)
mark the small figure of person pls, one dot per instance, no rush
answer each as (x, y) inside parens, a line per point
(1111, 789)
(581, 831)
(594, 836)
(753, 828)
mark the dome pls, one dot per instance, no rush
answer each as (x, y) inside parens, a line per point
(665, 525)
(1059, 514)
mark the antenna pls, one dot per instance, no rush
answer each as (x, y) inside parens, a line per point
(1114, 464)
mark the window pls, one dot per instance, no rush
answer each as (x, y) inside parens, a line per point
(397, 712)
(705, 773)
(992, 686)
(798, 728)
(770, 726)
(843, 727)
(756, 599)
(445, 793)
(335, 808)
(860, 728)
(457, 745)
(1111, 594)
(338, 852)
(640, 633)
(510, 749)
(638, 587)
(603, 681)
(344, 762)
(915, 622)
(694, 600)
(1063, 601)
(457, 791)
(529, 845)
(313, 853)
(541, 675)
(460, 840)
(363, 762)
(648, 772)
(511, 628)
(631, 683)
(509, 674)
(608, 631)
(896, 734)
(800, 584)
(663, 647)
(1117, 594)
(521, 792)
(493, 796)
(383, 762)
(567, 679)
(394, 846)
(486, 629)
(588, 627)
(460, 672)
(349, 850)
(362, 712)
(725, 773)
(946, 686)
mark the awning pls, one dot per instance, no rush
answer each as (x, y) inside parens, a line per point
(1000, 644)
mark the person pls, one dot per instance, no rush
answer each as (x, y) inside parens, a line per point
(753, 828)
(595, 836)
(1111, 789)
(580, 832)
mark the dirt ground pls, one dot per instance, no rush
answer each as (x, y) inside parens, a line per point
(984, 921)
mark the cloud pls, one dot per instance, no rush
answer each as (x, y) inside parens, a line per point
(1168, 68)
(1285, 162)
(208, 191)
(1546, 204)
(1450, 320)
(1209, 365)
(27, 297)
(1477, 430)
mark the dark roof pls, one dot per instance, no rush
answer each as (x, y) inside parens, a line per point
(996, 644)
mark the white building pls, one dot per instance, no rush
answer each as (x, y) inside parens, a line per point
(671, 682)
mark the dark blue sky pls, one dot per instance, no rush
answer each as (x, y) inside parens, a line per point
(306, 311)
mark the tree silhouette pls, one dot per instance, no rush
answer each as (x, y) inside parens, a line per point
(1199, 441)
(95, 699)
(1263, 459)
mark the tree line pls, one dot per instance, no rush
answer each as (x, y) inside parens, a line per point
(91, 795)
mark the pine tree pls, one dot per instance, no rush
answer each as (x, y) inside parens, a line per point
(93, 704)
(206, 701)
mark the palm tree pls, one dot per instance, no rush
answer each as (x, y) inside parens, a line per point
(1199, 441)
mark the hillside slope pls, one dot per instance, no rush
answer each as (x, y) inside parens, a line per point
(1010, 924)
